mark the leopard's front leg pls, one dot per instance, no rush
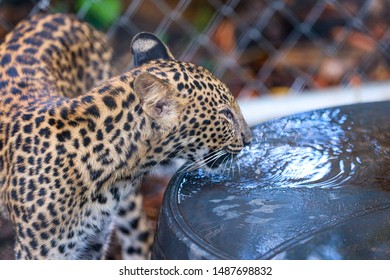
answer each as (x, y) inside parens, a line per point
(132, 228)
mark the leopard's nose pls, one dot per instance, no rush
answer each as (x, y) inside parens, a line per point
(246, 141)
(246, 136)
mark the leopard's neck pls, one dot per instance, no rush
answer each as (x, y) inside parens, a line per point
(108, 132)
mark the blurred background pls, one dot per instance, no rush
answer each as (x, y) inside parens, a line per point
(264, 50)
(277, 56)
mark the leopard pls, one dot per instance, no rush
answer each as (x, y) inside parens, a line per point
(76, 138)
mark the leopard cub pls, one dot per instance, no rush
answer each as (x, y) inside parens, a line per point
(76, 142)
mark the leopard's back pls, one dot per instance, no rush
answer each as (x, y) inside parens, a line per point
(51, 55)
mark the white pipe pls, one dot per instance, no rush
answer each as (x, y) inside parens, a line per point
(264, 108)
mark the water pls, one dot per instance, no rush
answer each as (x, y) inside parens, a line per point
(314, 185)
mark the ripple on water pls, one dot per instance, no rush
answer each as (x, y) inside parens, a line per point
(316, 149)
(325, 149)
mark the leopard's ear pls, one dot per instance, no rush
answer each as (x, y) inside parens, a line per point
(157, 99)
(146, 47)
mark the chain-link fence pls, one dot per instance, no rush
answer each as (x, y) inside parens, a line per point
(257, 47)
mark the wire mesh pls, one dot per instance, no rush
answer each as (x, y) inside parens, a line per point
(256, 47)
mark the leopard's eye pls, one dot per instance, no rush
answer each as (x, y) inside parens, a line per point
(228, 114)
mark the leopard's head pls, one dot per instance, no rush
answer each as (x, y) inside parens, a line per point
(200, 118)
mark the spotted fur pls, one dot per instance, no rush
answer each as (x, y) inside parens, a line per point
(75, 144)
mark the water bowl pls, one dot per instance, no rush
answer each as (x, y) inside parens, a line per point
(314, 185)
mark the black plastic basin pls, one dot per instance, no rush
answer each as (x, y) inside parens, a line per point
(310, 186)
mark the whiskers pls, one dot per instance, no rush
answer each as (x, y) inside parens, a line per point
(211, 157)
(218, 162)
(213, 161)
(229, 166)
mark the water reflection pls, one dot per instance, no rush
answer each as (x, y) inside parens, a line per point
(311, 150)
(303, 189)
